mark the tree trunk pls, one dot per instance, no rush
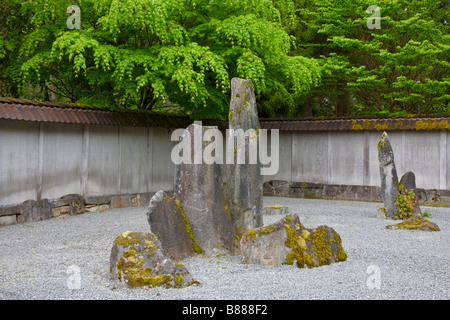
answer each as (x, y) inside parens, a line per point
(342, 102)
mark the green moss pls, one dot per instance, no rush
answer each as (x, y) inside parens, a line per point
(318, 249)
(299, 248)
(321, 246)
(195, 246)
(415, 222)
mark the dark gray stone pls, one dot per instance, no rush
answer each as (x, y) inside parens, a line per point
(407, 184)
(75, 202)
(244, 182)
(98, 200)
(199, 189)
(202, 223)
(168, 224)
(32, 210)
(388, 175)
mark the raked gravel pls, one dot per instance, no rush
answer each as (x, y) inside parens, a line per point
(40, 260)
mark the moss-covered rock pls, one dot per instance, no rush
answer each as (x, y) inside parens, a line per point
(416, 222)
(137, 260)
(289, 242)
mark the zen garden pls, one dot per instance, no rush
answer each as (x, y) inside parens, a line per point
(238, 151)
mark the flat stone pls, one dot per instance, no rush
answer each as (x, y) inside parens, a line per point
(416, 222)
(121, 201)
(8, 220)
(97, 200)
(276, 209)
(56, 212)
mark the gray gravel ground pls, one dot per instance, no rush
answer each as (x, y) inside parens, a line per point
(35, 259)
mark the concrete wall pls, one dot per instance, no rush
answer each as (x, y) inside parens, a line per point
(351, 157)
(49, 160)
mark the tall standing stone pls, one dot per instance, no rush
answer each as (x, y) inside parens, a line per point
(243, 182)
(388, 175)
(196, 219)
(199, 189)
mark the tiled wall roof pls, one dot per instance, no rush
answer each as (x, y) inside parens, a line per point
(29, 110)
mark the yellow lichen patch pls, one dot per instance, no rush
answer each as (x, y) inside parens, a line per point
(127, 239)
(415, 222)
(382, 126)
(364, 126)
(266, 230)
(227, 210)
(432, 124)
(321, 245)
(195, 246)
(274, 207)
(251, 234)
(299, 249)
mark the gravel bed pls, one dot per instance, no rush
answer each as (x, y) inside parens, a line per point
(37, 259)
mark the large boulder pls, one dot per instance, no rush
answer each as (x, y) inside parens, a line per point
(388, 175)
(137, 260)
(243, 182)
(289, 242)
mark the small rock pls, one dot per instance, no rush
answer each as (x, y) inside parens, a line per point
(276, 209)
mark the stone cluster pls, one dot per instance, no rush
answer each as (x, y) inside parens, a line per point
(391, 189)
(217, 209)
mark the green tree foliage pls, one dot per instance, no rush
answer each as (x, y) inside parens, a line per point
(152, 53)
(402, 66)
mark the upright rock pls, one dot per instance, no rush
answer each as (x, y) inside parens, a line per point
(407, 184)
(171, 227)
(388, 175)
(196, 219)
(199, 190)
(243, 182)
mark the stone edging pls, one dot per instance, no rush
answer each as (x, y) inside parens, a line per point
(71, 204)
(309, 190)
